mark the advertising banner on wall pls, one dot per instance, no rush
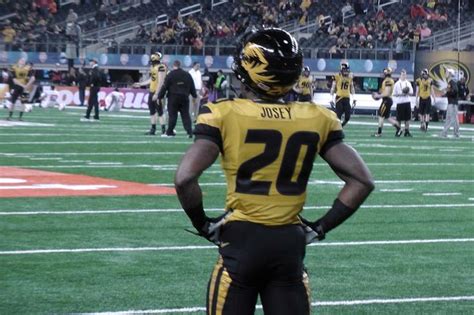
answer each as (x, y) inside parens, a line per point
(367, 67)
(133, 98)
(438, 62)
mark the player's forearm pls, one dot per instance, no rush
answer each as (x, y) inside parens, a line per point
(190, 196)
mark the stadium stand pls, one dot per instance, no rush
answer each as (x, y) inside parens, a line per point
(333, 27)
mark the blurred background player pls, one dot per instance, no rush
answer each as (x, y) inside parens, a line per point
(402, 90)
(177, 87)
(95, 81)
(114, 101)
(452, 93)
(50, 98)
(424, 93)
(155, 81)
(196, 74)
(385, 94)
(343, 86)
(304, 86)
(20, 83)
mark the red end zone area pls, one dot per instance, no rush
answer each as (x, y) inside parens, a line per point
(18, 182)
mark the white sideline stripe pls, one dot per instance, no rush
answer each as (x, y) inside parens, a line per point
(396, 190)
(93, 142)
(92, 153)
(442, 194)
(182, 153)
(171, 210)
(337, 182)
(174, 167)
(192, 247)
(320, 303)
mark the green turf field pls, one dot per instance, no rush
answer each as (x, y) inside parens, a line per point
(408, 250)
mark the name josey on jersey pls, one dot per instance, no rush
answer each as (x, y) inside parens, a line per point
(275, 113)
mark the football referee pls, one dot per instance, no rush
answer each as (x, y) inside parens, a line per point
(178, 86)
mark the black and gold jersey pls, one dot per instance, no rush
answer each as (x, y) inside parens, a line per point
(21, 73)
(343, 85)
(268, 152)
(155, 71)
(305, 84)
(388, 83)
(424, 87)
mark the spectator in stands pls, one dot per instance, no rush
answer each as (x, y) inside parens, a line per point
(101, 17)
(43, 7)
(431, 4)
(416, 10)
(305, 4)
(53, 7)
(9, 34)
(347, 9)
(72, 16)
(437, 16)
(142, 33)
(424, 30)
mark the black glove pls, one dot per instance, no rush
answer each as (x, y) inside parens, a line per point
(212, 228)
(313, 231)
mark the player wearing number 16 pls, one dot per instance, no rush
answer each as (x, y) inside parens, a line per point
(267, 150)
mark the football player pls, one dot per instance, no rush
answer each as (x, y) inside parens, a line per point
(424, 93)
(385, 94)
(20, 83)
(343, 86)
(267, 152)
(304, 86)
(155, 81)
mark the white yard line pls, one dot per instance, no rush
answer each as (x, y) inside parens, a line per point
(196, 247)
(319, 303)
(442, 194)
(93, 142)
(396, 190)
(171, 210)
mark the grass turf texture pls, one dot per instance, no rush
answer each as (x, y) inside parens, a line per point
(405, 169)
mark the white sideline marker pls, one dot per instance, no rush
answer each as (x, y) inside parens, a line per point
(193, 247)
(442, 194)
(321, 303)
(396, 190)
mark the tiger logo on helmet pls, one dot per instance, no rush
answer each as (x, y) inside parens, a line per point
(268, 62)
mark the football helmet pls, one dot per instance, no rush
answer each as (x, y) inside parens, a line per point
(424, 73)
(345, 69)
(156, 57)
(268, 62)
(387, 72)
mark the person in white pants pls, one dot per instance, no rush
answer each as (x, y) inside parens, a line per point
(452, 119)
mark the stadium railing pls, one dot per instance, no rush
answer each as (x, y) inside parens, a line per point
(449, 37)
(207, 50)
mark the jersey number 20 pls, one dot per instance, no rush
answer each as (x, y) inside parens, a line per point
(273, 141)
